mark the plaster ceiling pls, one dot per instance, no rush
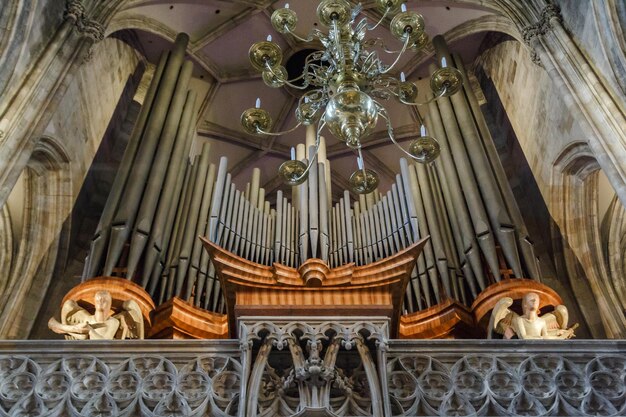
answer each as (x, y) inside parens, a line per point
(221, 33)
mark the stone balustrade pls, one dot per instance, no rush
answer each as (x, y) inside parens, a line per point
(204, 378)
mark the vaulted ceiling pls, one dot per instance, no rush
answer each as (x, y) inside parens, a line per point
(221, 33)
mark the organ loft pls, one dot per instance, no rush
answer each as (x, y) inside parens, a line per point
(313, 208)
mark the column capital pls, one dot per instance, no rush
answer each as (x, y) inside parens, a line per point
(531, 33)
(74, 10)
(88, 28)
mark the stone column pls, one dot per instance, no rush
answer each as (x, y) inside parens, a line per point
(585, 95)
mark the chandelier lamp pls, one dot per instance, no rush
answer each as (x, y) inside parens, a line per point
(344, 82)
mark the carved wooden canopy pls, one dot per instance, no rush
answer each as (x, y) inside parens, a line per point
(314, 289)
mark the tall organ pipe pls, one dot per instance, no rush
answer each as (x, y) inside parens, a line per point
(127, 210)
(323, 212)
(314, 208)
(162, 161)
(437, 235)
(190, 230)
(526, 247)
(410, 192)
(454, 197)
(201, 230)
(468, 182)
(101, 237)
(174, 185)
(501, 223)
(182, 217)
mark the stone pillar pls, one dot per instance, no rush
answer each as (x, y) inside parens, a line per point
(585, 95)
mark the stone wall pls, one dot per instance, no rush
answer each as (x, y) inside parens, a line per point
(85, 111)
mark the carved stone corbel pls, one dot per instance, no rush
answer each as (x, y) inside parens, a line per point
(74, 10)
(531, 33)
(89, 29)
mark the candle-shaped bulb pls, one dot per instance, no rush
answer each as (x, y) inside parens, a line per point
(359, 162)
(422, 130)
(306, 99)
(443, 62)
(258, 103)
(286, 5)
(402, 77)
(293, 153)
(269, 38)
(403, 7)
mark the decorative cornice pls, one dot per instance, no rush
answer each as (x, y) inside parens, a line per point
(531, 33)
(74, 10)
(314, 289)
(89, 28)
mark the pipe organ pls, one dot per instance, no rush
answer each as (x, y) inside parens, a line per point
(162, 200)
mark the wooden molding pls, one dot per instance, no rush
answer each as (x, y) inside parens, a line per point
(446, 320)
(178, 319)
(313, 289)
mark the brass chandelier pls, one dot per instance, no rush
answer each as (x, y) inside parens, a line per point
(344, 82)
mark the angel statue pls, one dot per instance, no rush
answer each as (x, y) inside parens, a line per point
(529, 325)
(78, 324)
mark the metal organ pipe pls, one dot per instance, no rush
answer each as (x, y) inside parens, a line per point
(501, 223)
(526, 247)
(101, 236)
(126, 213)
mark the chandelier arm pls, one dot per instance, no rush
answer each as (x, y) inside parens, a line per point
(369, 61)
(314, 95)
(280, 133)
(315, 33)
(420, 119)
(383, 114)
(288, 82)
(406, 44)
(434, 97)
(380, 21)
(363, 21)
(293, 34)
(380, 42)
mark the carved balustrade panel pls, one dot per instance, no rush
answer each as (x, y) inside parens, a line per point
(332, 368)
(506, 378)
(121, 379)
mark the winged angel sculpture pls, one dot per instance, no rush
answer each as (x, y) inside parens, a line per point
(78, 324)
(529, 325)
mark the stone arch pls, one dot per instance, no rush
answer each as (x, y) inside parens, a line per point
(573, 197)
(46, 205)
(614, 240)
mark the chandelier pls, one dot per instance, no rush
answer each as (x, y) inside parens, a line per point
(344, 82)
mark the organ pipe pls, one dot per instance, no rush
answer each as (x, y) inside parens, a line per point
(526, 247)
(101, 236)
(127, 210)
